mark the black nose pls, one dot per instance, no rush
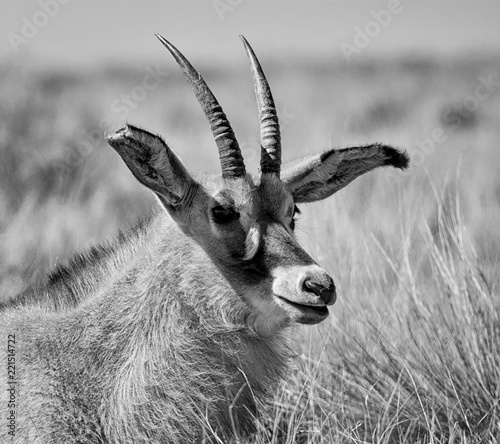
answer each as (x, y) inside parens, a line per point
(324, 288)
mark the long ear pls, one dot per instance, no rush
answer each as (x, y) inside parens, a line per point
(153, 163)
(319, 176)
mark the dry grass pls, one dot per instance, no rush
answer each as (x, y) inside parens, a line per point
(419, 362)
(411, 351)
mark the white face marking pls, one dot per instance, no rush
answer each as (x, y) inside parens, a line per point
(252, 242)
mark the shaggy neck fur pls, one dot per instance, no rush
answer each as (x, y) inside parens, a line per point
(161, 354)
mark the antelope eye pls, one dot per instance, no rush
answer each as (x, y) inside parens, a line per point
(295, 215)
(296, 212)
(224, 214)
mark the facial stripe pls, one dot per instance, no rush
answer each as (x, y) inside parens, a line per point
(252, 242)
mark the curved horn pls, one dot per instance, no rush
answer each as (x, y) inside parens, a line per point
(270, 138)
(231, 160)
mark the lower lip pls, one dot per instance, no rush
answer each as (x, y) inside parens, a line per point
(317, 310)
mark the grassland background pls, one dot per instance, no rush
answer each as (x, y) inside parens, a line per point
(410, 351)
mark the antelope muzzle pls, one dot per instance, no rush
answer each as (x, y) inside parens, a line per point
(304, 292)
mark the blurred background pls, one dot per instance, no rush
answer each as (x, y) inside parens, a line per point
(423, 75)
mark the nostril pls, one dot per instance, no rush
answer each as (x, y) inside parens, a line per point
(327, 293)
(312, 287)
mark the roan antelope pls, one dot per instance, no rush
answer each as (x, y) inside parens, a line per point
(175, 332)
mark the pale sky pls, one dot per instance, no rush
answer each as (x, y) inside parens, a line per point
(86, 32)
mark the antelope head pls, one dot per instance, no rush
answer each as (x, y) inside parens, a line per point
(246, 223)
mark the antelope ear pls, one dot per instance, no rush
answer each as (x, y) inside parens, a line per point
(153, 163)
(319, 176)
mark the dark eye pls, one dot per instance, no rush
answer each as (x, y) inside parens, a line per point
(295, 216)
(224, 214)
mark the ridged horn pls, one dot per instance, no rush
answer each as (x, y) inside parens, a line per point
(231, 160)
(270, 137)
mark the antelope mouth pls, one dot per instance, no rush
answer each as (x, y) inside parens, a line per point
(304, 314)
